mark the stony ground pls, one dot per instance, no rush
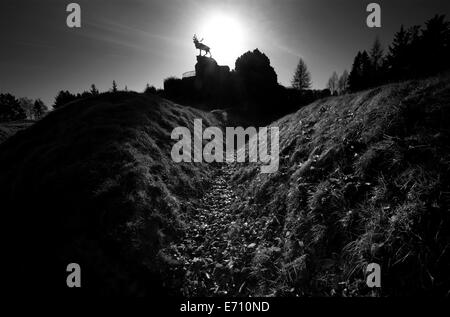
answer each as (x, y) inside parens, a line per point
(215, 254)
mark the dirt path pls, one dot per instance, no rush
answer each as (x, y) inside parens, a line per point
(215, 252)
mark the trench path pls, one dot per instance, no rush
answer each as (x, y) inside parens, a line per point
(215, 253)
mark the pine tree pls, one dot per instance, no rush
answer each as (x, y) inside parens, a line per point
(360, 75)
(10, 108)
(397, 59)
(114, 86)
(94, 90)
(150, 89)
(63, 98)
(435, 45)
(376, 61)
(39, 109)
(354, 79)
(417, 63)
(302, 77)
(366, 71)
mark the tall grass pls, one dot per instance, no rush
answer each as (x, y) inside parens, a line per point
(363, 178)
(93, 183)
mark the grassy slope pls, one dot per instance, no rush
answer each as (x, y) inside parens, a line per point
(94, 183)
(363, 178)
(8, 129)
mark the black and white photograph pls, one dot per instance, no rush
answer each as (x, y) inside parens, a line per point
(223, 155)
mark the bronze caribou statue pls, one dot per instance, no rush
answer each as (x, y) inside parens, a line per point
(201, 47)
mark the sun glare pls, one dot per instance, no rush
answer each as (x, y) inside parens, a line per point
(225, 36)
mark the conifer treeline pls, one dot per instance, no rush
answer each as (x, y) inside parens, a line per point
(415, 52)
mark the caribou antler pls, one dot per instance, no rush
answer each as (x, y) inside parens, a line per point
(199, 45)
(195, 38)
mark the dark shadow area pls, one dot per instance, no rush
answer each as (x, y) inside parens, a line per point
(251, 91)
(93, 183)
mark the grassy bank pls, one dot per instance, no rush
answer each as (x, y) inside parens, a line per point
(94, 183)
(8, 129)
(363, 178)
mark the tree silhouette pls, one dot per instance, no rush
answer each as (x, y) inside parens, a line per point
(27, 106)
(414, 52)
(114, 86)
(376, 60)
(63, 98)
(39, 109)
(150, 89)
(343, 82)
(376, 54)
(436, 45)
(10, 108)
(94, 90)
(333, 83)
(255, 81)
(173, 87)
(302, 77)
(254, 67)
(359, 77)
(398, 59)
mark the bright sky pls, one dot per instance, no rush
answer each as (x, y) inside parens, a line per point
(225, 34)
(145, 41)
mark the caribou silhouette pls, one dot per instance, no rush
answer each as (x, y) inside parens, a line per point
(201, 47)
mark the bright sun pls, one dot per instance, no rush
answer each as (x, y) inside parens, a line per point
(225, 36)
